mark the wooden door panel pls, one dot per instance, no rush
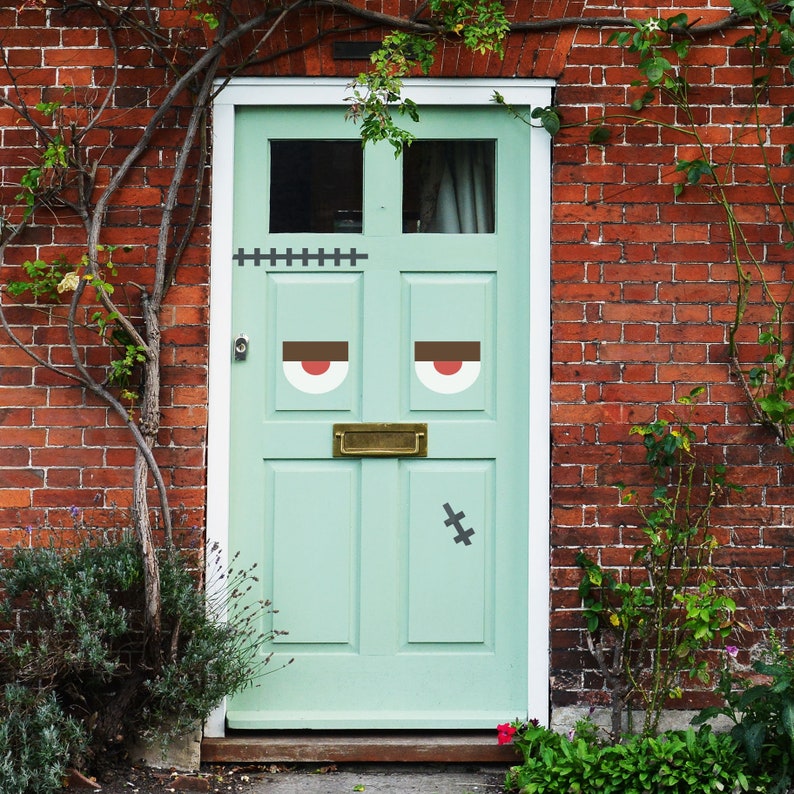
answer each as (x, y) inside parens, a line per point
(449, 566)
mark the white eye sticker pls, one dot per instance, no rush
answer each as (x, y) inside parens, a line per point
(447, 367)
(315, 367)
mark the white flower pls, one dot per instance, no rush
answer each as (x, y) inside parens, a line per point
(69, 282)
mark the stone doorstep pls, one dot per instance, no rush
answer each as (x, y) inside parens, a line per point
(357, 747)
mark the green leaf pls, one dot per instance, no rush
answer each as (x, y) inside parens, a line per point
(756, 376)
(787, 718)
(600, 134)
(549, 119)
(47, 108)
(654, 68)
(753, 741)
(694, 170)
(786, 41)
(621, 39)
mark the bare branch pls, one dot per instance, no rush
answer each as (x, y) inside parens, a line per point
(163, 275)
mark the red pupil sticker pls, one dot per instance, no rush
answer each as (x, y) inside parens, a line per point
(447, 367)
(315, 367)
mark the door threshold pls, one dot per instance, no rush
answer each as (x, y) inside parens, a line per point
(429, 747)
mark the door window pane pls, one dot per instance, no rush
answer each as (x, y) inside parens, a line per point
(448, 187)
(316, 186)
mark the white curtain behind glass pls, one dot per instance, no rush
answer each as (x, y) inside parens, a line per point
(457, 187)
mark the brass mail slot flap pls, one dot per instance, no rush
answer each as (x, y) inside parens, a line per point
(380, 440)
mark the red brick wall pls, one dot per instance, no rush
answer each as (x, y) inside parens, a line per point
(642, 298)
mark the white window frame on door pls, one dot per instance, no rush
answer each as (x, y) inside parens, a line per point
(425, 92)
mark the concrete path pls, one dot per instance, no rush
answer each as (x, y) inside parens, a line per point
(403, 779)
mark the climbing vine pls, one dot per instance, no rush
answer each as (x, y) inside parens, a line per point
(662, 49)
(648, 631)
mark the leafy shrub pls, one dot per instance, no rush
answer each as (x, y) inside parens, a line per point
(214, 658)
(75, 631)
(37, 740)
(676, 762)
(647, 628)
(763, 714)
(69, 613)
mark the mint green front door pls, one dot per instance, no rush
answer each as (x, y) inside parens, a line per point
(370, 289)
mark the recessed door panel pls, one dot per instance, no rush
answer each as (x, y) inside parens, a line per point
(449, 566)
(450, 318)
(316, 333)
(315, 556)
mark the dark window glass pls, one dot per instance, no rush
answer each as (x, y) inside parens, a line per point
(448, 187)
(316, 186)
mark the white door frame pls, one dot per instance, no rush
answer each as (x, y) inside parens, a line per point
(325, 91)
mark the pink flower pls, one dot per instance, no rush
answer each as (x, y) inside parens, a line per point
(732, 651)
(505, 733)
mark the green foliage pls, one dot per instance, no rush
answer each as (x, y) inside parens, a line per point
(679, 762)
(377, 94)
(668, 607)
(76, 621)
(651, 38)
(37, 741)
(762, 715)
(55, 155)
(70, 611)
(771, 382)
(121, 368)
(215, 658)
(549, 117)
(50, 281)
(42, 279)
(482, 25)
(209, 17)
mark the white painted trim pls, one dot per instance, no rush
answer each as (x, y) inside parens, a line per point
(539, 485)
(295, 91)
(317, 91)
(220, 342)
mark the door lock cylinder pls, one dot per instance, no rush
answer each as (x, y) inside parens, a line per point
(241, 347)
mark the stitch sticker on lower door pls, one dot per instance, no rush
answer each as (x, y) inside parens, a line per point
(447, 367)
(315, 367)
(454, 520)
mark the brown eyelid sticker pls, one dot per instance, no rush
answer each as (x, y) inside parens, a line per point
(446, 351)
(314, 351)
(315, 367)
(447, 367)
